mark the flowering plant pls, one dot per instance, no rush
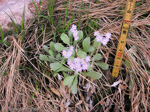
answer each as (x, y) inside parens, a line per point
(76, 56)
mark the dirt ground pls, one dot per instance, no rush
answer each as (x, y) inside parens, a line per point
(14, 9)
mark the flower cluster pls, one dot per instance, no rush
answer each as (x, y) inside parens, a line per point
(102, 38)
(75, 32)
(79, 64)
(68, 53)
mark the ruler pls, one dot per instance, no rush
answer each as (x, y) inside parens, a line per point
(122, 40)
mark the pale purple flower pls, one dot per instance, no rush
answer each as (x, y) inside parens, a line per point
(69, 53)
(78, 69)
(78, 65)
(105, 41)
(77, 60)
(71, 48)
(85, 66)
(76, 38)
(64, 53)
(73, 28)
(72, 66)
(108, 35)
(99, 38)
(69, 61)
(67, 56)
(82, 60)
(75, 33)
(87, 59)
(84, 63)
(96, 33)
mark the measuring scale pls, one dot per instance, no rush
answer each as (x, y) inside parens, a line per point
(122, 40)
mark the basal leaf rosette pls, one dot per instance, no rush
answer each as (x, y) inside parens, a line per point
(74, 56)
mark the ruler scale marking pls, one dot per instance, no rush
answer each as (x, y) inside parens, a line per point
(122, 40)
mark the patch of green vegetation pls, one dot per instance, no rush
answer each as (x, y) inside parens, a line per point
(138, 4)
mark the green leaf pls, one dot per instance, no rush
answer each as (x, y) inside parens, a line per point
(59, 47)
(73, 54)
(127, 63)
(69, 86)
(80, 34)
(65, 75)
(68, 80)
(44, 58)
(89, 69)
(91, 49)
(81, 54)
(51, 53)
(66, 15)
(96, 44)
(64, 69)
(46, 48)
(97, 57)
(22, 25)
(138, 4)
(65, 38)
(86, 44)
(93, 74)
(58, 56)
(51, 59)
(74, 85)
(148, 71)
(70, 33)
(71, 57)
(104, 66)
(2, 34)
(55, 66)
(55, 74)
(52, 45)
(130, 85)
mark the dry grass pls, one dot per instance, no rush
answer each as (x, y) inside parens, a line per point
(27, 84)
